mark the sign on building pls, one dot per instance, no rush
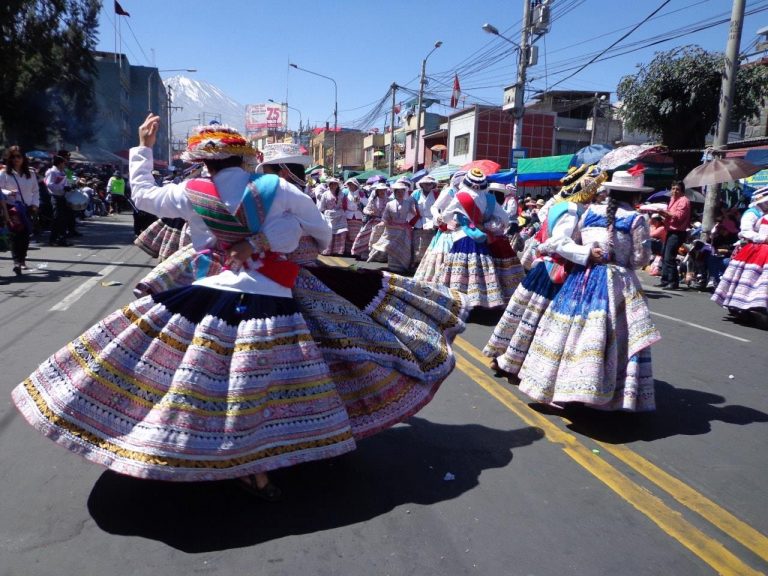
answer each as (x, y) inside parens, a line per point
(261, 116)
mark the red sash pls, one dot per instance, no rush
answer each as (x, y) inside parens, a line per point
(468, 203)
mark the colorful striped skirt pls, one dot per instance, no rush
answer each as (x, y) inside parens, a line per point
(433, 259)
(744, 285)
(361, 246)
(512, 336)
(396, 243)
(202, 384)
(353, 229)
(592, 344)
(471, 269)
(163, 237)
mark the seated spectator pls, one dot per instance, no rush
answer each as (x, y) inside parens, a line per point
(658, 234)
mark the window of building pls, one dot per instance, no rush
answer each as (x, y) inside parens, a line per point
(461, 144)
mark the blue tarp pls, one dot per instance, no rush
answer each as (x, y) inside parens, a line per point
(758, 157)
(504, 177)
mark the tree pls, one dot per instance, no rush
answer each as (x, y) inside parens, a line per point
(46, 80)
(676, 96)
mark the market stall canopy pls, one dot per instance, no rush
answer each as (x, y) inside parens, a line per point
(758, 179)
(590, 154)
(396, 177)
(364, 176)
(444, 172)
(38, 155)
(487, 166)
(503, 177)
(545, 171)
(718, 171)
(758, 157)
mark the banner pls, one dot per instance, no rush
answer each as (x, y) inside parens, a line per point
(261, 116)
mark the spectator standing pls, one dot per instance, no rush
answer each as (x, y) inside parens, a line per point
(56, 183)
(116, 188)
(677, 219)
(19, 185)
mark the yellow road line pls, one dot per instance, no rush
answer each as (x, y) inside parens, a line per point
(688, 497)
(708, 549)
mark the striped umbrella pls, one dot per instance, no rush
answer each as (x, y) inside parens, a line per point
(444, 172)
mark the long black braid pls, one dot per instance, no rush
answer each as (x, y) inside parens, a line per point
(610, 216)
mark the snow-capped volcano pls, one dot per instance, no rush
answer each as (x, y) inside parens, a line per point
(203, 102)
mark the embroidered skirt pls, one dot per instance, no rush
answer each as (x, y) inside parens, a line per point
(593, 344)
(512, 336)
(471, 269)
(744, 284)
(202, 384)
(433, 259)
(163, 237)
(337, 220)
(396, 243)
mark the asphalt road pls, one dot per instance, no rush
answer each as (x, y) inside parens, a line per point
(480, 482)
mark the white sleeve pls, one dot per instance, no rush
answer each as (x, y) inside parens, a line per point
(304, 210)
(33, 190)
(501, 214)
(747, 227)
(442, 201)
(169, 201)
(561, 240)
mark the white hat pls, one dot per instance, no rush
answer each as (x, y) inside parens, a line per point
(402, 183)
(427, 180)
(352, 181)
(627, 181)
(759, 196)
(497, 187)
(332, 180)
(283, 153)
(381, 186)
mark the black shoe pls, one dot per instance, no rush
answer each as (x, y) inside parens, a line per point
(17, 270)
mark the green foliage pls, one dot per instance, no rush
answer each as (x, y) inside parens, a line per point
(46, 86)
(677, 95)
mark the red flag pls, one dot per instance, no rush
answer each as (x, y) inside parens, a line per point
(456, 94)
(119, 9)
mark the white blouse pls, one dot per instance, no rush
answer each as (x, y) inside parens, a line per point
(291, 215)
(27, 185)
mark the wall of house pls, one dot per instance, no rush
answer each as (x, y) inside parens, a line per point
(494, 136)
(458, 127)
(538, 133)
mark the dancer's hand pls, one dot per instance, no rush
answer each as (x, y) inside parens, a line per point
(239, 254)
(596, 254)
(148, 130)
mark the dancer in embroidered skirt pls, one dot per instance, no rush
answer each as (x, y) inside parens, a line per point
(396, 241)
(593, 343)
(744, 285)
(223, 378)
(424, 228)
(512, 336)
(330, 206)
(481, 263)
(353, 202)
(432, 261)
(164, 237)
(373, 227)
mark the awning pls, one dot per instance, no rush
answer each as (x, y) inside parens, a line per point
(503, 177)
(444, 172)
(758, 157)
(363, 176)
(545, 171)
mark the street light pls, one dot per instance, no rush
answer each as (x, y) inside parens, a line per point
(418, 107)
(335, 107)
(289, 107)
(491, 29)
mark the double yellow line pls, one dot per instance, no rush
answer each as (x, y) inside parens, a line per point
(672, 522)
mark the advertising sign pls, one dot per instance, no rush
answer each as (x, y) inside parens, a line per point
(261, 116)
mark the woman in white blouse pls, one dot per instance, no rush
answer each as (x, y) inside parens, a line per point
(19, 186)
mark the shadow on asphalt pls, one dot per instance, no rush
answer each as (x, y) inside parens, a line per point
(403, 465)
(678, 411)
(38, 276)
(485, 316)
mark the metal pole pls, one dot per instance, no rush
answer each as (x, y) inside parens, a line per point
(170, 126)
(415, 167)
(149, 91)
(731, 66)
(335, 121)
(594, 120)
(392, 132)
(522, 64)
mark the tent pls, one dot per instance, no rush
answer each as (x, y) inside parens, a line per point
(363, 176)
(545, 171)
(757, 156)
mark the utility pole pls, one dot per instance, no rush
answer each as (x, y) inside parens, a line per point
(731, 66)
(522, 65)
(594, 119)
(394, 88)
(423, 83)
(171, 108)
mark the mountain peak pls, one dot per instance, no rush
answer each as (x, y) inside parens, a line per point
(202, 102)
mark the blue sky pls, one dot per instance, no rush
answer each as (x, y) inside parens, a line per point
(244, 46)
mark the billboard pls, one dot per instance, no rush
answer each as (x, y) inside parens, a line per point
(261, 116)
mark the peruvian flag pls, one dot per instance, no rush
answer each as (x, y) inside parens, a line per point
(119, 10)
(456, 94)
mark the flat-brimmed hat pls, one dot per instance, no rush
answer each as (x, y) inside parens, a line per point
(497, 187)
(427, 180)
(402, 183)
(759, 196)
(627, 182)
(216, 142)
(352, 181)
(283, 153)
(333, 180)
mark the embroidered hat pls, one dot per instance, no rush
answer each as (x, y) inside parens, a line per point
(216, 142)
(497, 187)
(585, 188)
(510, 189)
(759, 196)
(574, 173)
(475, 180)
(457, 178)
(283, 153)
(627, 181)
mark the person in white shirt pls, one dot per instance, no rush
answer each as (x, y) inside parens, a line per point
(56, 182)
(18, 183)
(353, 202)
(330, 204)
(424, 227)
(396, 241)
